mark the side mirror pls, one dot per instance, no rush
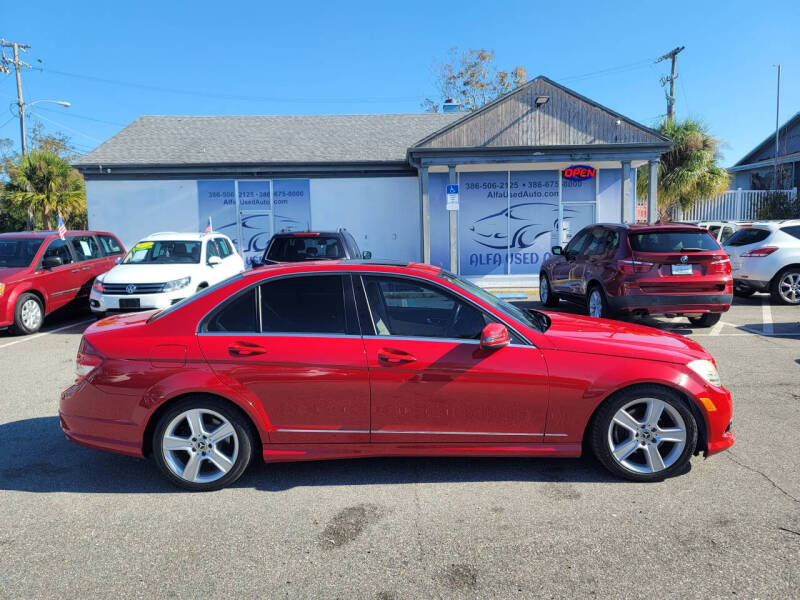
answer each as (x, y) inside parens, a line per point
(494, 336)
(557, 250)
(51, 261)
(214, 261)
(366, 255)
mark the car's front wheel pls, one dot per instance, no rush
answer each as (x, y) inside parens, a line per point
(28, 314)
(644, 433)
(546, 294)
(202, 444)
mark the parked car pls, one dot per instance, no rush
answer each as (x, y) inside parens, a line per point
(40, 272)
(766, 258)
(641, 269)
(307, 361)
(722, 230)
(311, 245)
(163, 269)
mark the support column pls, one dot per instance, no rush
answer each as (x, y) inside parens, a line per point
(652, 192)
(453, 179)
(426, 215)
(626, 194)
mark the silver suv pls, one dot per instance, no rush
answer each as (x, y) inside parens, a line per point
(765, 257)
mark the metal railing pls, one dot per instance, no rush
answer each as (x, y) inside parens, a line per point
(733, 205)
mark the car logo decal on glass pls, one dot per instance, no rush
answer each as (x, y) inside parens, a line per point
(130, 288)
(684, 259)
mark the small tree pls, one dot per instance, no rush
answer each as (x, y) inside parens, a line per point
(688, 172)
(46, 184)
(472, 79)
(778, 205)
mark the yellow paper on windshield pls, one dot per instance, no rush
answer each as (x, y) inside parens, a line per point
(143, 246)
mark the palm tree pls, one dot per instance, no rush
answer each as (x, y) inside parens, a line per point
(689, 171)
(47, 185)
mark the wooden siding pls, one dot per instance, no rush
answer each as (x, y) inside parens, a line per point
(565, 120)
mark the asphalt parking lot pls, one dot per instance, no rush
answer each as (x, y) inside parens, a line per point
(77, 523)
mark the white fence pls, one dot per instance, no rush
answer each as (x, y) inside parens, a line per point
(735, 205)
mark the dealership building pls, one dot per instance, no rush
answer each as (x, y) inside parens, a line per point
(531, 169)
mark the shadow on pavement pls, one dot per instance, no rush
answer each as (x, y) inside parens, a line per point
(38, 458)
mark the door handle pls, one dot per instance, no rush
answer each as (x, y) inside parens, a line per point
(395, 357)
(76, 270)
(246, 349)
(85, 269)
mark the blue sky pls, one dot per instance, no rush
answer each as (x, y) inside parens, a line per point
(373, 57)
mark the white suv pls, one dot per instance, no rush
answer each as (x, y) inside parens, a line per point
(765, 257)
(163, 269)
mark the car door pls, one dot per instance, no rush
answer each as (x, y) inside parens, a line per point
(564, 272)
(430, 380)
(292, 345)
(590, 264)
(61, 284)
(89, 261)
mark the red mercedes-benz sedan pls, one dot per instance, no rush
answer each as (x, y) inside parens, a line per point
(307, 361)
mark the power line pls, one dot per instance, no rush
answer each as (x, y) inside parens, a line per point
(67, 127)
(77, 116)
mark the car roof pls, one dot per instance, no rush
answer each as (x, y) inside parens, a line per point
(47, 234)
(390, 266)
(308, 233)
(645, 227)
(179, 236)
(774, 224)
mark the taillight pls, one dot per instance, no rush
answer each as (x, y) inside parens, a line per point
(633, 266)
(88, 359)
(720, 264)
(759, 252)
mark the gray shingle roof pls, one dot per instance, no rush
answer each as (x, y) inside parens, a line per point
(187, 140)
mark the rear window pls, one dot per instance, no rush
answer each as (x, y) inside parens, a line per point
(747, 236)
(673, 241)
(793, 231)
(299, 248)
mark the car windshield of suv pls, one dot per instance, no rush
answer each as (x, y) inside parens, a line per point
(747, 236)
(531, 318)
(164, 252)
(304, 247)
(18, 252)
(673, 241)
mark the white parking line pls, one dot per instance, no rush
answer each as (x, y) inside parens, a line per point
(38, 335)
(717, 328)
(766, 316)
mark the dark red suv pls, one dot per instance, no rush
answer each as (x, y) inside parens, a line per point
(40, 272)
(641, 269)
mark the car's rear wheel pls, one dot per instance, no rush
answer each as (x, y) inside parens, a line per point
(28, 314)
(202, 444)
(705, 320)
(785, 286)
(546, 294)
(644, 433)
(596, 303)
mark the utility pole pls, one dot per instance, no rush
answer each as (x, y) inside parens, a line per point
(777, 124)
(18, 65)
(673, 55)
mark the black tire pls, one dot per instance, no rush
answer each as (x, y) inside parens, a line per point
(706, 320)
(551, 298)
(25, 302)
(743, 292)
(605, 311)
(602, 435)
(242, 454)
(778, 281)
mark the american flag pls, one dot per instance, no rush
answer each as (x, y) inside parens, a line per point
(208, 226)
(62, 230)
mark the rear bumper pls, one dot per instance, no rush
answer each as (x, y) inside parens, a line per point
(672, 303)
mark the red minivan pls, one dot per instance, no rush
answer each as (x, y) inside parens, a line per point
(641, 269)
(40, 272)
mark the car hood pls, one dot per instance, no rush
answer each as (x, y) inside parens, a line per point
(616, 338)
(11, 274)
(149, 273)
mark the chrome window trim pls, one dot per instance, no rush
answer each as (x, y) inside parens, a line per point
(435, 339)
(280, 334)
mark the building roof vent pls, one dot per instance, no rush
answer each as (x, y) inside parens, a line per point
(450, 106)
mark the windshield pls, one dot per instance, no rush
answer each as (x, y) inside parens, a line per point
(299, 248)
(531, 318)
(164, 252)
(18, 252)
(673, 241)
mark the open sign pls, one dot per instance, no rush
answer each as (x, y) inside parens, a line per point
(579, 172)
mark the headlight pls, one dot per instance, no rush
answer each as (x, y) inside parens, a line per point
(171, 286)
(706, 370)
(2, 288)
(97, 286)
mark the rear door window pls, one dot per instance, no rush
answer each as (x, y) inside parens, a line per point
(110, 245)
(672, 241)
(747, 236)
(237, 316)
(85, 247)
(598, 242)
(313, 304)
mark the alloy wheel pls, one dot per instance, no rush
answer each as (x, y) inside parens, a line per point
(595, 304)
(200, 445)
(647, 435)
(789, 287)
(544, 290)
(31, 314)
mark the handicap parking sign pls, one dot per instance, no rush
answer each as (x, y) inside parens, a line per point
(452, 197)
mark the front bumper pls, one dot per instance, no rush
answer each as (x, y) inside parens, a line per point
(102, 303)
(717, 408)
(672, 303)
